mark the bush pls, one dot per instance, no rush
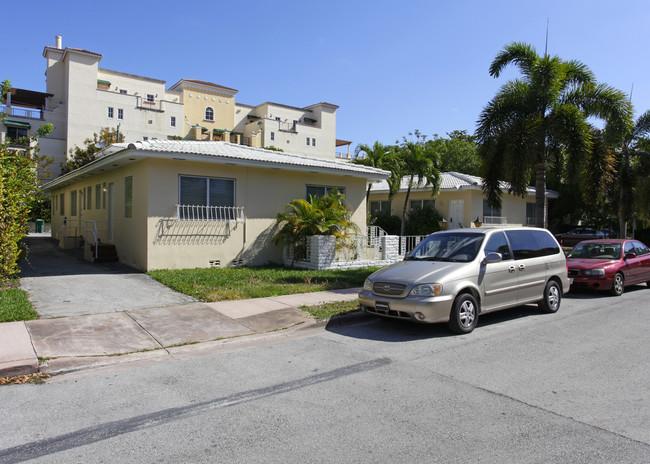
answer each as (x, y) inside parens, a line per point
(391, 224)
(422, 222)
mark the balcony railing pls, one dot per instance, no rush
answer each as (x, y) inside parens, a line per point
(29, 113)
(198, 213)
(144, 104)
(530, 221)
(495, 220)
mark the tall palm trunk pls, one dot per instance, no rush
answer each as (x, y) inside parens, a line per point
(406, 201)
(540, 195)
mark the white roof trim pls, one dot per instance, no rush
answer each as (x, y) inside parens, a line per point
(119, 154)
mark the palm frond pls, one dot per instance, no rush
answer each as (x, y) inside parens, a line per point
(520, 54)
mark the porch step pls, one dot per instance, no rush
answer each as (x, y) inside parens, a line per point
(105, 253)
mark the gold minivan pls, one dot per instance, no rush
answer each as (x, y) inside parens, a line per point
(453, 276)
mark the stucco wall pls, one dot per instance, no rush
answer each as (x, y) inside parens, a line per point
(262, 192)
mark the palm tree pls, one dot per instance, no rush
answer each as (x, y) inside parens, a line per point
(534, 118)
(626, 182)
(326, 215)
(376, 156)
(420, 163)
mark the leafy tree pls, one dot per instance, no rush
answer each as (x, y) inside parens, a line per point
(423, 221)
(19, 179)
(542, 117)
(327, 215)
(420, 164)
(83, 156)
(633, 153)
(458, 153)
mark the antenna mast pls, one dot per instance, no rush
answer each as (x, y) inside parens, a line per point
(546, 44)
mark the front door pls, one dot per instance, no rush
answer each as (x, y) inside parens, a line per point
(456, 214)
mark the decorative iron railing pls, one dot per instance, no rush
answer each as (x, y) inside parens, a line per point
(199, 213)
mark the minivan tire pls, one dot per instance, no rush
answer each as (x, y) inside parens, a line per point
(464, 314)
(552, 297)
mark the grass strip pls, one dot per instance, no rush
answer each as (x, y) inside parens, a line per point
(15, 306)
(220, 284)
(326, 311)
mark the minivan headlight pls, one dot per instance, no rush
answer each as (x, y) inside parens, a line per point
(367, 285)
(594, 272)
(427, 290)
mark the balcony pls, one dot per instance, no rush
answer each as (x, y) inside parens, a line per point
(17, 111)
(144, 104)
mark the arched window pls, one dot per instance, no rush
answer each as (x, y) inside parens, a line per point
(209, 114)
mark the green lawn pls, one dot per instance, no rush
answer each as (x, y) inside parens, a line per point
(220, 284)
(14, 305)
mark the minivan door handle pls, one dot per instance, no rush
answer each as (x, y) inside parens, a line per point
(512, 269)
(522, 267)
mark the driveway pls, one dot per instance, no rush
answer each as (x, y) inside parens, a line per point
(61, 283)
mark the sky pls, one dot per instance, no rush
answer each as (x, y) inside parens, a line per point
(391, 66)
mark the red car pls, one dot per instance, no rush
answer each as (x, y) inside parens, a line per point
(609, 264)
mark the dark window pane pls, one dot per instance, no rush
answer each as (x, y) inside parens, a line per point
(194, 191)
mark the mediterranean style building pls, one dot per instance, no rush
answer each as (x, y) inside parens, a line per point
(81, 98)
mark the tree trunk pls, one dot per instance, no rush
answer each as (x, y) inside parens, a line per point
(540, 196)
(406, 201)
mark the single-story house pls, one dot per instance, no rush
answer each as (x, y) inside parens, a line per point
(184, 204)
(460, 201)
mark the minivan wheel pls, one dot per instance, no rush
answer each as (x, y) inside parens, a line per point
(618, 285)
(552, 297)
(464, 314)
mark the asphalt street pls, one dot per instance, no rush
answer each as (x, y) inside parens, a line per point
(570, 387)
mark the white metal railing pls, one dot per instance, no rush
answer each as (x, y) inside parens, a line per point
(30, 113)
(375, 233)
(198, 213)
(495, 219)
(71, 228)
(530, 221)
(91, 228)
(407, 243)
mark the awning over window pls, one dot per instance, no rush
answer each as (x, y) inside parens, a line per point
(201, 127)
(10, 123)
(310, 120)
(99, 81)
(219, 130)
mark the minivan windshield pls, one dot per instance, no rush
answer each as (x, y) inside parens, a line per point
(448, 246)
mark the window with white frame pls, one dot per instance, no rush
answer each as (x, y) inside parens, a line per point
(128, 196)
(110, 112)
(73, 203)
(173, 121)
(150, 98)
(422, 204)
(379, 208)
(98, 196)
(313, 142)
(487, 211)
(321, 190)
(123, 91)
(203, 198)
(120, 113)
(272, 135)
(209, 114)
(307, 141)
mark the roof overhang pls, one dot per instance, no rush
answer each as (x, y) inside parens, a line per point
(119, 155)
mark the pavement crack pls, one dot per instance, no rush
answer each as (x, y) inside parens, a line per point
(147, 332)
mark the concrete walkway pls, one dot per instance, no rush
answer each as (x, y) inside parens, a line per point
(61, 283)
(91, 312)
(70, 343)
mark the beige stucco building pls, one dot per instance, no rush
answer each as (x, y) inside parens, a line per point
(460, 201)
(184, 204)
(212, 113)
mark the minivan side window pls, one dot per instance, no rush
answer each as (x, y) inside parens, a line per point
(497, 243)
(532, 243)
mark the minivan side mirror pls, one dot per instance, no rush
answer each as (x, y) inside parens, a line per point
(492, 257)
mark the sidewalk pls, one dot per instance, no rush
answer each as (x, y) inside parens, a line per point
(70, 343)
